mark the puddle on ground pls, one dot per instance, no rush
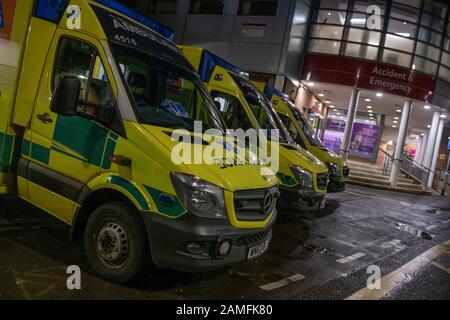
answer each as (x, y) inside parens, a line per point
(315, 248)
(414, 231)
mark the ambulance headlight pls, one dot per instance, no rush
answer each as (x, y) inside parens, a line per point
(199, 197)
(303, 176)
(334, 169)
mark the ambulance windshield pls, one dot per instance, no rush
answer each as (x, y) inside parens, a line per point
(164, 94)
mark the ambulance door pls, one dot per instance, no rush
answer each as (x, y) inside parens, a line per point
(66, 151)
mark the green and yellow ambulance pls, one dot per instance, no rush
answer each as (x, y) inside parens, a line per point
(302, 132)
(90, 96)
(303, 178)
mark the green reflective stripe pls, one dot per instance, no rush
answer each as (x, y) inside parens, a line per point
(83, 136)
(5, 151)
(109, 151)
(127, 185)
(113, 136)
(286, 180)
(175, 209)
(60, 150)
(26, 147)
(40, 153)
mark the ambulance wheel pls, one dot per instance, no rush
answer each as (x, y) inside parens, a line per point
(114, 241)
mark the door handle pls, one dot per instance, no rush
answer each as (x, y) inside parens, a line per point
(44, 117)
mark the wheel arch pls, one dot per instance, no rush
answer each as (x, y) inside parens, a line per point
(89, 200)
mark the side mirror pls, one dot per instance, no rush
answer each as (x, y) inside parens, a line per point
(65, 96)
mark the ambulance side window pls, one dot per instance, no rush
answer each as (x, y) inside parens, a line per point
(74, 58)
(287, 122)
(80, 59)
(232, 111)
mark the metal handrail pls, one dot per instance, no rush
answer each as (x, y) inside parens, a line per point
(421, 166)
(387, 160)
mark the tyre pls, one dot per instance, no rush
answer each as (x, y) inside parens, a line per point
(115, 242)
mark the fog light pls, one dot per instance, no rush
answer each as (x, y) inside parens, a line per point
(223, 248)
(196, 248)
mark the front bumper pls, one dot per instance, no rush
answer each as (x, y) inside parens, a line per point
(296, 199)
(169, 239)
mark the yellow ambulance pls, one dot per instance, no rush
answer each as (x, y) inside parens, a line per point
(90, 95)
(302, 132)
(303, 178)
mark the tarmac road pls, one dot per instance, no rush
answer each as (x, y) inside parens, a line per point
(325, 255)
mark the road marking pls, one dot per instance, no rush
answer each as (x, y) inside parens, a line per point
(431, 227)
(390, 244)
(396, 244)
(283, 282)
(351, 258)
(397, 277)
(440, 266)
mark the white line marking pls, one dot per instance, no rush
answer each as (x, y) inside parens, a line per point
(440, 266)
(351, 258)
(395, 244)
(389, 244)
(431, 227)
(402, 274)
(283, 282)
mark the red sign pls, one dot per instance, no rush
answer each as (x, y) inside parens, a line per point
(369, 75)
(6, 17)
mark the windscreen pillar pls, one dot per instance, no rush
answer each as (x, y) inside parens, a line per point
(428, 155)
(351, 114)
(435, 157)
(279, 82)
(401, 137)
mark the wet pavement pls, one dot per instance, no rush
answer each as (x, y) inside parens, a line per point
(325, 255)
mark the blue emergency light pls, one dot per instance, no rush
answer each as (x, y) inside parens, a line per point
(269, 91)
(2, 24)
(209, 61)
(51, 10)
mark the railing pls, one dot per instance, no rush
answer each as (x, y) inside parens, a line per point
(387, 162)
(415, 170)
(410, 167)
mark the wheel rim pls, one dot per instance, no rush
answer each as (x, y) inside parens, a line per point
(112, 244)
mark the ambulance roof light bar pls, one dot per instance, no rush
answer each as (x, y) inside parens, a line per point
(137, 16)
(209, 61)
(50, 10)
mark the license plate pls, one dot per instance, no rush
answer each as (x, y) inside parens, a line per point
(258, 250)
(322, 204)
